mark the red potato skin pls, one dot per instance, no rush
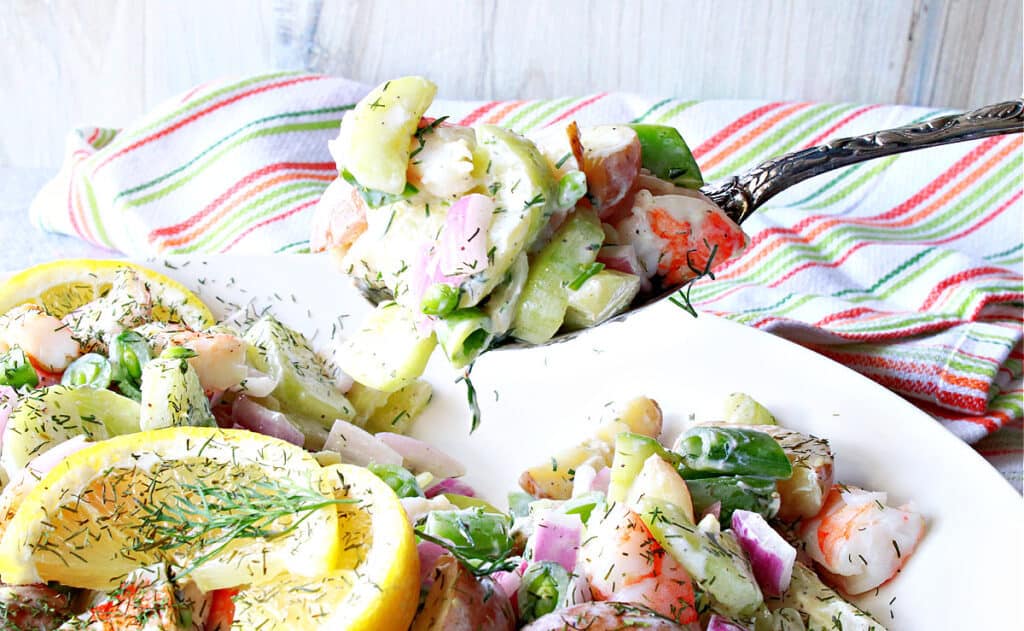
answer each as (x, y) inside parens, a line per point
(611, 176)
(458, 601)
(603, 616)
(33, 607)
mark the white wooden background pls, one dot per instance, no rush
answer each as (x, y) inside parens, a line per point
(68, 62)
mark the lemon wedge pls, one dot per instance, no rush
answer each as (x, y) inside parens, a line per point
(225, 507)
(62, 286)
(376, 587)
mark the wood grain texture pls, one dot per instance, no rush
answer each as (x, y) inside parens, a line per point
(66, 62)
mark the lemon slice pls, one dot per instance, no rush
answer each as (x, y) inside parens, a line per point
(62, 286)
(225, 507)
(376, 587)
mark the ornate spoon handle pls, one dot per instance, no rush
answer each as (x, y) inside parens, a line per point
(743, 194)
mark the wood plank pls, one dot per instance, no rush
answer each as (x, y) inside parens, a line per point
(66, 64)
(188, 42)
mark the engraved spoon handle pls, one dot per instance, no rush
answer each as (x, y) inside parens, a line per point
(741, 195)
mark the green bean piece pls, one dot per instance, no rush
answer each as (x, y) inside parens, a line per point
(735, 492)
(90, 370)
(664, 153)
(708, 451)
(401, 481)
(128, 354)
(542, 590)
(463, 335)
(440, 299)
(16, 370)
(571, 189)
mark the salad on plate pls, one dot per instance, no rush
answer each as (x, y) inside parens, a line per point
(466, 236)
(162, 470)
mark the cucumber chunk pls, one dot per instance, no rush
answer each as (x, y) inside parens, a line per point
(389, 352)
(375, 137)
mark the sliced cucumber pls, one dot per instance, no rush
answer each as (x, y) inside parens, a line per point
(375, 137)
(304, 386)
(602, 296)
(525, 191)
(48, 416)
(389, 351)
(541, 309)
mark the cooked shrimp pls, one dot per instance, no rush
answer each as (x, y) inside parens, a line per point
(860, 540)
(676, 234)
(44, 338)
(623, 562)
(220, 356)
(127, 304)
(339, 218)
(444, 164)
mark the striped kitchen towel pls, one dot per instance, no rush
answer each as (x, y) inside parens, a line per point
(907, 269)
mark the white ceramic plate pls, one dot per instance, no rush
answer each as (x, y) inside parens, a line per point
(967, 573)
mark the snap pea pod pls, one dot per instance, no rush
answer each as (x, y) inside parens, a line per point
(664, 153)
(545, 299)
(744, 492)
(401, 481)
(708, 451)
(713, 559)
(16, 371)
(543, 589)
(129, 353)
(463, 335)
(477, 536)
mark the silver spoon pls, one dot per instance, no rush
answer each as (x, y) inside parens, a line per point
(741, 195)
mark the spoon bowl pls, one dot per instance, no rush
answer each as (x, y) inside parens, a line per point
(741, 195)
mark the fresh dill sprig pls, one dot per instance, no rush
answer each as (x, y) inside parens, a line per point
(474, 405)
(211, 514)
(682, 297)
(475, 566)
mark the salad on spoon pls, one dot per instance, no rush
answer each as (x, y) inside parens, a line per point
(468, 237)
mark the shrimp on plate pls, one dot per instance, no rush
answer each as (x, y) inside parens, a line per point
(624, 563)
(860, 540)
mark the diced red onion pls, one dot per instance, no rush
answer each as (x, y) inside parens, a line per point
(557, 538)
(358, 446)
(718, 623)
(450, 485)
(254, 417)
(602, 480)
(7, 399)
(46, 461)
(771, 556)
(509, 583)
(420, 456)
(429, 553)
(462, 248)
